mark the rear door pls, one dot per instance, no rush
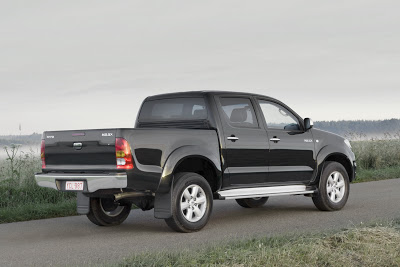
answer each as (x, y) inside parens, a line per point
(291, 157)
(246, 141)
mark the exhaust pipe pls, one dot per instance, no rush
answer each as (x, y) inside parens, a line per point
(120, 196)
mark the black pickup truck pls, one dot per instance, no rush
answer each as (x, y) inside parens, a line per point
(189, 149)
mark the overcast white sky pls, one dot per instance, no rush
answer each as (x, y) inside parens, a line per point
(89, 64)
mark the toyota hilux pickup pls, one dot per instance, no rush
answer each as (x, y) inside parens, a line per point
(192, 148)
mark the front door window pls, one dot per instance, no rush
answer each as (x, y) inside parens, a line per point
(277, 117)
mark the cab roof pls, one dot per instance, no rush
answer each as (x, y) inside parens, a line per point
(200, 94)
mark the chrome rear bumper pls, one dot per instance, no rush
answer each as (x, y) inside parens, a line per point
(93, 182)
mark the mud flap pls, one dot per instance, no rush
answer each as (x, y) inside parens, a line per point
(162, 205)
(82, 204)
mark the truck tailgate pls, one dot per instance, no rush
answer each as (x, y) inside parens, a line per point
(83, 150)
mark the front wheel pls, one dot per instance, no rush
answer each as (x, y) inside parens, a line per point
(334, 187)
(192, 203)
(105, 212)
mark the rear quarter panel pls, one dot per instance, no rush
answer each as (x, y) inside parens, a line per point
(157, 151)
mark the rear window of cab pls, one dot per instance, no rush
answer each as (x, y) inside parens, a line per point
(174, 109)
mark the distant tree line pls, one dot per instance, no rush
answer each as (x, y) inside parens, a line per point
(33, 139)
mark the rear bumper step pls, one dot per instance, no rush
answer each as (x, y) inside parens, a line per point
(92, 182)
(266, 191)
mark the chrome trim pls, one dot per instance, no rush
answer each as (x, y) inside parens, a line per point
(265, 191)
(233, 138)
(261, 169)
(94, 182)
(290, 169)
(77, 146)
(275, 139)
(258, 169)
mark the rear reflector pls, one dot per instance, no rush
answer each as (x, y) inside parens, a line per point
(42, 155)
(123, 154)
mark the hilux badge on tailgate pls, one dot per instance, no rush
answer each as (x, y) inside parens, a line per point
(106, 134)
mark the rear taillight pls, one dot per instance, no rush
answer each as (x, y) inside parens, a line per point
(42, 155)
(123, 154)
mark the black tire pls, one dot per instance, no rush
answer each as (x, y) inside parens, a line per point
(252, 202)
(104, 212)
(323, 200)
(178, 221)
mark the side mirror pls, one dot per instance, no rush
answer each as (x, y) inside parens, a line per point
(308, 124)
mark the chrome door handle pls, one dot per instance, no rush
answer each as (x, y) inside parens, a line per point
(275, 139)
(233, 138)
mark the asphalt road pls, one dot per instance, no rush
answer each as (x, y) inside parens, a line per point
(76, 241)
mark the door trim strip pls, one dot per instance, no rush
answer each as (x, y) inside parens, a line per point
(290, 169)
(261, 169)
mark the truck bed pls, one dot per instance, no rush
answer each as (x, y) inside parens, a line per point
(89, 152)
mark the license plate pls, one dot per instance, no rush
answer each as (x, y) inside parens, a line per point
(74, 186)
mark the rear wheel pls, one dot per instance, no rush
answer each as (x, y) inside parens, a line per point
(106, 212)
(192, 203)
(334, 187)
(252, 202)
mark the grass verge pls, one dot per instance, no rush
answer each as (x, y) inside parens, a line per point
(35, 211)
(366, 246)
(21, 199)
(27, 201)
(367, 175)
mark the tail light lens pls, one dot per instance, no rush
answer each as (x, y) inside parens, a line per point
(42, 155)
(123, 154)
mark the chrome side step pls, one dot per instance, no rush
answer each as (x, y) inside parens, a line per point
(265, 191)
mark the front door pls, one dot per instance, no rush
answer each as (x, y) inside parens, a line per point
(246, 141)
(291, 157)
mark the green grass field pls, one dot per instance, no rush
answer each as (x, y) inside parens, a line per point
(377, 245)
(36, 211)
(377, 159)
(21, 199)
(377, 154)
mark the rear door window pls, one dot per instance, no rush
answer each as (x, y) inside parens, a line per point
(239, 112)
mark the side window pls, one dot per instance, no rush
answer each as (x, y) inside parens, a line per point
(277, 117)
(239, 112)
